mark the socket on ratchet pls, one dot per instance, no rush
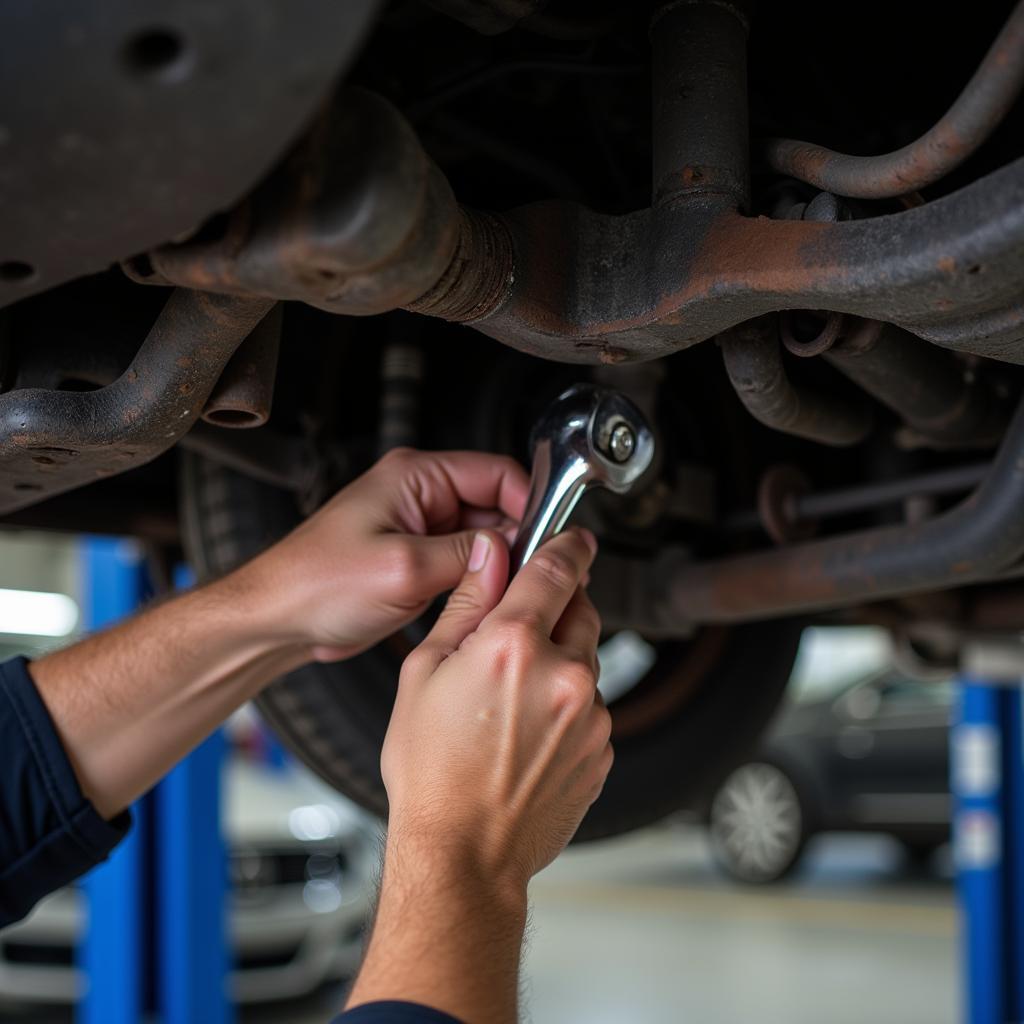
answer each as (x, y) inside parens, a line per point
(589, 437)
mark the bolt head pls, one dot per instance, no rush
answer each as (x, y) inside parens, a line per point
(622, 442)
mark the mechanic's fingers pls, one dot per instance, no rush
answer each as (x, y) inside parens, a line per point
(579, 629)
(479, 518)
(486, 481)
(441, 561)
(479, 591)
(482, 518)
(543, 588)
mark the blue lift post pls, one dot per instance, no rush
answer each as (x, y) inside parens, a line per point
(155, 945)
(115, 949)
(987, 767)
(192, 891)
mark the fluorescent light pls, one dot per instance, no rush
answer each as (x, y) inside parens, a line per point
(36, 613)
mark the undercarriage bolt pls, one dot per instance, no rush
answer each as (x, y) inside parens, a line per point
(621, 443)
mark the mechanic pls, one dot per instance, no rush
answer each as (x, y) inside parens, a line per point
(497, 745)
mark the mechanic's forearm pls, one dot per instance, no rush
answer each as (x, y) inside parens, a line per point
(446, 937)
(129, 702)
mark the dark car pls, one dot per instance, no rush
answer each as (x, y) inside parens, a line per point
(874, 758)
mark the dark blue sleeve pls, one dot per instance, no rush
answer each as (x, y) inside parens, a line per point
(49, 832)
(394, 1013)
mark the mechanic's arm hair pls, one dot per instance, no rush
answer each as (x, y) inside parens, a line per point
(497, 746)
(128, 703)
(445, 935)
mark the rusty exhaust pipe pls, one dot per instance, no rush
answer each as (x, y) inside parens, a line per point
(244, 394)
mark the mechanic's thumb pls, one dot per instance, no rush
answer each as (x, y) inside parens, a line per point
(480, 590)
(444, 559)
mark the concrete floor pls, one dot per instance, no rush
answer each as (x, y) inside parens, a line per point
(642, 930)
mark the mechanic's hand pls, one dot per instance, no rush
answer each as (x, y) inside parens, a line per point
(375, 556)
(499, 741)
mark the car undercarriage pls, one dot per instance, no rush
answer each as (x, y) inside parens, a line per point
(249, 246)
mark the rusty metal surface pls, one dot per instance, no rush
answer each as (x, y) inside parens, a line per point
(802, 504)
(974, 541)
(981, 539)
(699, 72)
(928, 388)
(799, 344)
(591, 288)
(753, 360)
(479, 275)
(974, 115)
(52, 441)
(243, 396)
(126, 124)
(357, 220)
(778, 494)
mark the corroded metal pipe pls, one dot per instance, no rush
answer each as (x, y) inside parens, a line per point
(753, 360)
(699, 78)
(975, 114)
(358, 219)
(925, 386)
(979, 539)
(52, 441)
(974, 541)
(245, 392)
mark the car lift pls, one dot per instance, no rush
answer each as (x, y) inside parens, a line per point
(987, 782)
(154, 946)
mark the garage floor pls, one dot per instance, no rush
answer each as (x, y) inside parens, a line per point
(642, 930)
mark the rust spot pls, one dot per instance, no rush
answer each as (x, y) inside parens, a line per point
(947, 264)
(610, 355)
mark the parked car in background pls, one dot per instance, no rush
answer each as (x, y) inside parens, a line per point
(301, 861)
(872, 758)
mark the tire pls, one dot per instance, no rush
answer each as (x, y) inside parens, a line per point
(758, 824)
(693, 715)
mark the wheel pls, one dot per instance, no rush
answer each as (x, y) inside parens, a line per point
(695, 709)
(757, 824)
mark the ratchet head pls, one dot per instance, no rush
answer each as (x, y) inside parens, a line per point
(588, 437)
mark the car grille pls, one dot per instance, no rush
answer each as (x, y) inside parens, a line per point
(37, 955)
(34, 954)
(252, 871)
